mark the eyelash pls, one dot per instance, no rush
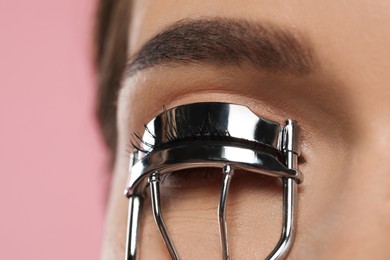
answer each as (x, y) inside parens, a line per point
(174, 135)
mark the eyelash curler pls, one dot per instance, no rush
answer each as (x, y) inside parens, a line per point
(212, 134)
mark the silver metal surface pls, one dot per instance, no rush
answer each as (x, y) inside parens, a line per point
(154, 180)
(212, 153)
(213, 134)
(288, 230)
(210, 119)
(133, 220)
(228, 172)
(289, 193)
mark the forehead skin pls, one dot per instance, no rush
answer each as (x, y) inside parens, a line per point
(343, 110)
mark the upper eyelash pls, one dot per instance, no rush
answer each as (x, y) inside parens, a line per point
(173, 135)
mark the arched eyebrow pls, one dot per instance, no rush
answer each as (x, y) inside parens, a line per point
(224, 41)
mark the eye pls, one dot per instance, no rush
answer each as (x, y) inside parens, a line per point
(211, 134)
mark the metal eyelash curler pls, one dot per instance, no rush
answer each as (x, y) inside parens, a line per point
(212, 134)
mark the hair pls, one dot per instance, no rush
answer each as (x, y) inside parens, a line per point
(111, 40)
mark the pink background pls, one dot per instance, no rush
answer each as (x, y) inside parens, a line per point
(52, 162)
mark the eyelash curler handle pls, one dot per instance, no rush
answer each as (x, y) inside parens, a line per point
(290, 188)
(154, 180)
(228, 172)
(133, 224)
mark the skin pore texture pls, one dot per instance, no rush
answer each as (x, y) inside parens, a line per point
(342, 107)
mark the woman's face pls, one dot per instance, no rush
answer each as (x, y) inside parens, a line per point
(331, 73)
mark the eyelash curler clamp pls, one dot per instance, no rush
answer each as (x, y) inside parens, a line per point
(212, 134)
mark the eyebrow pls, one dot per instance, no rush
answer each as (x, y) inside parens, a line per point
(224, 41)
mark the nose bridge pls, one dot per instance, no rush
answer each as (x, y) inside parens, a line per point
(363, 210)
(371, 135)
(370, 151)
(369, 172)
